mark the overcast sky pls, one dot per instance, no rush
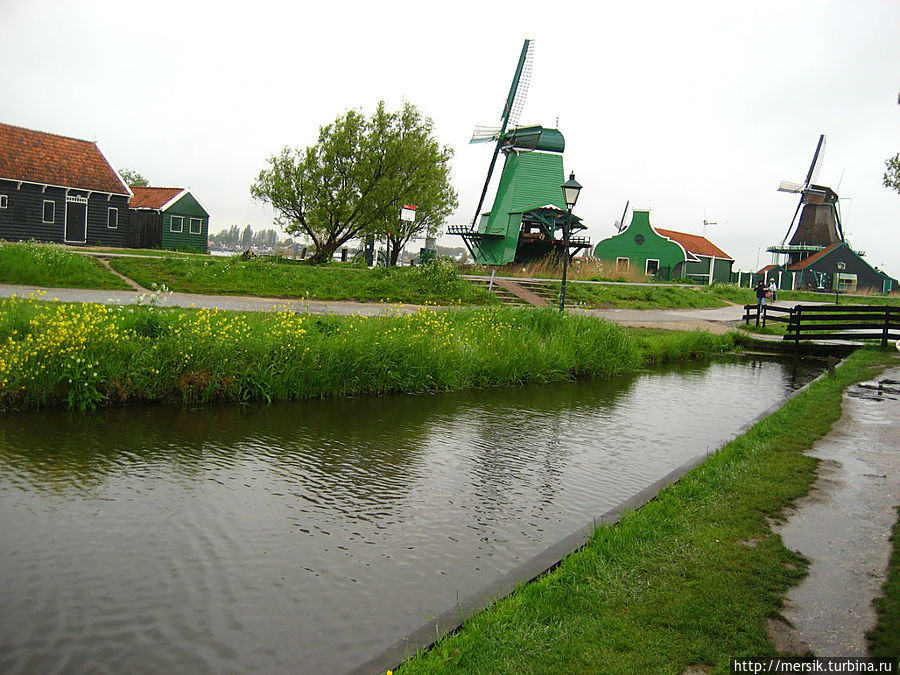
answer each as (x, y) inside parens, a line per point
(693, 110)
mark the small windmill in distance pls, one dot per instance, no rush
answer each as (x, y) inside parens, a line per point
(820, 220)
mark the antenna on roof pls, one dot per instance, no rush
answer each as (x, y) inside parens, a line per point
(707, 223)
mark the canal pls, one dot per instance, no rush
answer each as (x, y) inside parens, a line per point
(307, 536)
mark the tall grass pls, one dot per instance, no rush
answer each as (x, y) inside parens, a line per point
(85, 355)
(550, 267)
(52, 266)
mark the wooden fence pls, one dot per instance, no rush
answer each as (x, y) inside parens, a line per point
(831, 322)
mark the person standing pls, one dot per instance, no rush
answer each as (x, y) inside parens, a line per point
(773, 287)
(761, 291)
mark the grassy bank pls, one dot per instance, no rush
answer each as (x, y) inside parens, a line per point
(85, 355)
(884, 638)
(687, 581)
(52, 266)
(273, 277)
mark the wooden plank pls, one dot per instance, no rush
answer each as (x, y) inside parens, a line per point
(841, 336)
(865, 325)
(869, 318)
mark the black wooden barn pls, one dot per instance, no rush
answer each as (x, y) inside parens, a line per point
(59, 189)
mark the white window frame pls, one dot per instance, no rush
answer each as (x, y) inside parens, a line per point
(4, 201)
(112, 219)
(647, 266)
(623, 263)
(199, 222)
(172, 224)
(44, 211)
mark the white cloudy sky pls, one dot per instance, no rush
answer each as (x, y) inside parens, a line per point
(691, 109)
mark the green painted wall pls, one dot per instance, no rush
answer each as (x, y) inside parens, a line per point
(640, 242)
(700, 270)
(187, 207)
(529, 180)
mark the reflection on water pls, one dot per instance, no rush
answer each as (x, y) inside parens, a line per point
(306, 536)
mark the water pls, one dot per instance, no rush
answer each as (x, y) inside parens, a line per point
(306, 537)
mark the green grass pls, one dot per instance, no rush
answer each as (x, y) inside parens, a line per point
(86, 355)
(156, 252)
(53, 266)
(717, 295)
(83, 355)
(632, 296)
(884, 638)
(686, 581)
(281, 278)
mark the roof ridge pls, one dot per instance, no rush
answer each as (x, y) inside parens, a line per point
(48, 133)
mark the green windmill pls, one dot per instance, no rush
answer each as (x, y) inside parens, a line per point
(527, 218)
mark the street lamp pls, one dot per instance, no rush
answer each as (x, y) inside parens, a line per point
(570, 189)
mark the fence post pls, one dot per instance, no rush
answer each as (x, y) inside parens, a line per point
(764, 310)
(798, 309)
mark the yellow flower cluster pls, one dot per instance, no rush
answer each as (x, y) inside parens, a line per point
(55, 331)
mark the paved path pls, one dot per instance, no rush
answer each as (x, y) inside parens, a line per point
(717, 320)
(843, 526)
(227, 302)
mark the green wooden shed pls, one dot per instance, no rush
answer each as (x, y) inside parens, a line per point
(169, 218)
(665, 254)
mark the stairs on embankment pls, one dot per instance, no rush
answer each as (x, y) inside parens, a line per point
(518, 292)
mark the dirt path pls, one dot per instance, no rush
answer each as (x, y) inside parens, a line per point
(844, 524)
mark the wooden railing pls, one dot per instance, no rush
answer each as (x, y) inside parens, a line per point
(831, 322)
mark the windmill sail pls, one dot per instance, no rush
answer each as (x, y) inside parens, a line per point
(512, 108)
(804, 188)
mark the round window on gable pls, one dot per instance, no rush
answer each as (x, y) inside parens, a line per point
(638, 239)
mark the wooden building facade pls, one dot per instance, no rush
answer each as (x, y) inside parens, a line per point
(59, 189)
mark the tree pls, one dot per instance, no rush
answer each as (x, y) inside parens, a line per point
(134, 178)
(247, 237)
(892, 168)
(422, 178)
(354, 181)
(892, 173)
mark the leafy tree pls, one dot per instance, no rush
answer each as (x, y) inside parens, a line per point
(354, 181)
(892, 173)
(247, 237)
(892, 166)
(134, 178)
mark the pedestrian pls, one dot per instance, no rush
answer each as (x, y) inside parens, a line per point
(772, 288)
(761, 291)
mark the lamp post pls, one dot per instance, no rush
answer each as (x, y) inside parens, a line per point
(570, 189)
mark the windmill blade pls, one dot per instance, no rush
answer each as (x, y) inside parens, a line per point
(622, 224)
(790, 186)
(791, 226)
(813, 174)
(515, 99)
(837, 219)
(485, 134)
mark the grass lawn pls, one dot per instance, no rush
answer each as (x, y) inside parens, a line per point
(53, 266)
(281, 278)
(687, 581)
(884, 639)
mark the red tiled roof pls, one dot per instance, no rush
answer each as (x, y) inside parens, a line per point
(806, 262)
(694, 243)
(39, 157)
(152, 197)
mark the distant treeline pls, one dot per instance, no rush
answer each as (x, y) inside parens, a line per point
(236, 238)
